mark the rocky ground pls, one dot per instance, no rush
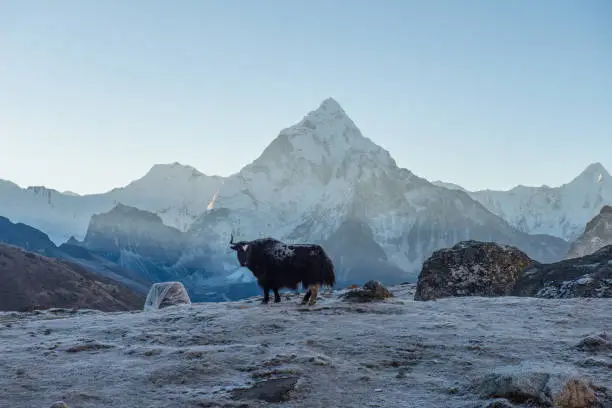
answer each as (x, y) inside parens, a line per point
(453, 352)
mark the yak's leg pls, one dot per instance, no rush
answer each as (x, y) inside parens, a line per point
(277, 298)
(314, 289)
(306, 296)
(266, 297)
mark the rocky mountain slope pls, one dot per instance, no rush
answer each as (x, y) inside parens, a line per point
(139, 241)
(596, 235)
(29, 280)
(31, 239)
(128, 229)
(175, 192)
(558, 211)
(26, 237)
(452, 353)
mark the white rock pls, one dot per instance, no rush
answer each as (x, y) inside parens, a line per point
(166, 294)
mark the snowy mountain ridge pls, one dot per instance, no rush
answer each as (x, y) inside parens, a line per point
(314, 179)
(177, 193)
(558, 211)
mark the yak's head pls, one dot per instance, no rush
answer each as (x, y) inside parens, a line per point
(241, 250)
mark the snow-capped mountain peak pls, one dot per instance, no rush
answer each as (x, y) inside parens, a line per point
(175, 192)
(328, 111)
(594, 173)
(559, 211)
(167, 180)
(172, 170)
(322, 157)
(325, 137)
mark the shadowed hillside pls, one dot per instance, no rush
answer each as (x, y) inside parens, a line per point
(29, 280)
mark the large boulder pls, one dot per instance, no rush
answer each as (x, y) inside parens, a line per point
(520, 388)
(471, 268)
(579, 392)
(166, 294)
(588, 276)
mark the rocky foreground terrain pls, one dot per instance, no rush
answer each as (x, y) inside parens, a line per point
(452, 352)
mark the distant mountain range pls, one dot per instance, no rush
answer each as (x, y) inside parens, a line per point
(558, 211)
(318, 181)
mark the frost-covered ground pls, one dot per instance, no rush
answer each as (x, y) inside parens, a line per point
(397, 353)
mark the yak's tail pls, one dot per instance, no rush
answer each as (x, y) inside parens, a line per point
(320, 271)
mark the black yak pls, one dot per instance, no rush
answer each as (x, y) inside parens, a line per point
(278, 265)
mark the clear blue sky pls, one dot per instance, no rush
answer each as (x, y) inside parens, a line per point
(486, 94)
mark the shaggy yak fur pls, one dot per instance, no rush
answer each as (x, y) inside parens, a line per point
(278, 265)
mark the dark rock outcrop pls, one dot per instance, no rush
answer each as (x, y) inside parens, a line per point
(596, 235)
(471, 268)
(31, 281)
(588, 276)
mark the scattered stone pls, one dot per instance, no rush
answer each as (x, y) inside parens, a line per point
(402, 373)
(471, 268)
(272, 390)
(595, 362)
(577, 393)
(517, 388)
(371, 291)
(318, 360)
(499, 403)
(597, 343)
(88, 347)
(207, 403)
(165, 294)
(152, 352)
